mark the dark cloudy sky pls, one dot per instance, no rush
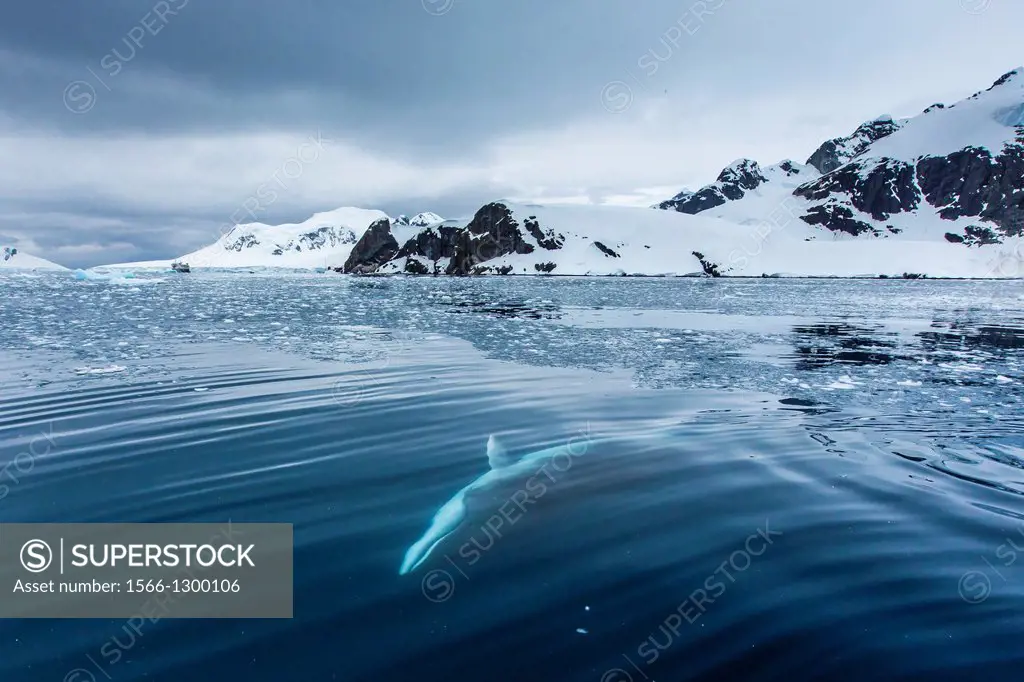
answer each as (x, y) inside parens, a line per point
(132, 129)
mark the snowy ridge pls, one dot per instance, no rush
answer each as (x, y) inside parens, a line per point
(837, 151)
(424, 219)
(741, 179)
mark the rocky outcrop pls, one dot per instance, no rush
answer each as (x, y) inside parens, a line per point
(710, 269)
(546, 239)
(732, 184)
(837, 151)
(493, 232)
(434, 244)
(877, 188)
(244, 241)
(376, 247)
(975, 235)
(836, 217)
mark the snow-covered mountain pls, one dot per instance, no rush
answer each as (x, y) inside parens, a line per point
(939, 194)
(324, 240)
(952, 172)
(506, 238)
(13, 259)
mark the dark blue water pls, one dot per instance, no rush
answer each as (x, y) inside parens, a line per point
(788, 479)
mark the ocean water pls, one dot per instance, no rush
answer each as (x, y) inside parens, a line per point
(780, 479)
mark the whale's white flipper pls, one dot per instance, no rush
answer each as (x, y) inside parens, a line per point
(497, 455)
(446, 520)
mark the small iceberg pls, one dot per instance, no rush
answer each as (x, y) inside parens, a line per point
(92, 276)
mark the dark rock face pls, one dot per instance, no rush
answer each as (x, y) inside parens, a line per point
(414, 267)
(879, 190)
(376, 247)
(732, 184)
(710, 269)
(743, 175)
(837, 151)
(971, 182)
(974, 235)
(321, 237)
(606, 251)
(695, 202)
(492, 233)
(838, 218)
(435, 243)
(438, 243)
(544, 267)
(980, 236)
(549, 239)
(243, 242)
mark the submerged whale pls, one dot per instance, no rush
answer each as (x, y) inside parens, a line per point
(503, 468)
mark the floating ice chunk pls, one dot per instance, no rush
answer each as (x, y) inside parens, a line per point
(908, 382)
(83, 275)
(583, 631)
(112, 369)
(1004, 380)
(844, 383)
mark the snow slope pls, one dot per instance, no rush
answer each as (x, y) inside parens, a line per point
(985, 119)
(24, 261)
